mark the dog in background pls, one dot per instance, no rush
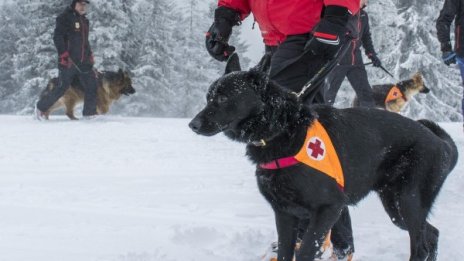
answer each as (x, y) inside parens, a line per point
(406, 162)
(393, 97)
(110, 87)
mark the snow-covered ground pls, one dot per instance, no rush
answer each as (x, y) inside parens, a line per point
(141, 189)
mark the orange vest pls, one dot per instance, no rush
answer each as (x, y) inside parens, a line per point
(317, 152)
(394, 94)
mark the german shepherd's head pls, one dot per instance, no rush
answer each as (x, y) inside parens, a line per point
(413, 86)
(118, 83)
(247, 107)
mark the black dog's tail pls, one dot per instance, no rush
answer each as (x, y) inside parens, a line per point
(442, 134)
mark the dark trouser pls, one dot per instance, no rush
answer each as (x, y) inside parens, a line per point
(357, 76)
(461, 67)
(88, 81)
(291, 72)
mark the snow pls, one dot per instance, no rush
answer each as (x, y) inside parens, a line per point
(145, 189)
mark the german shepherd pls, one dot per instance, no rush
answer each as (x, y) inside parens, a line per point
(393, 97)
(406, 162)
(110, 87)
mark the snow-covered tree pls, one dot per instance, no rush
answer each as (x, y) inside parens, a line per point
(10, 18)
(35, 57)
(404, 35)
(110, 30)
(161, 42)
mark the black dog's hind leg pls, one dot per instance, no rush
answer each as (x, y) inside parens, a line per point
(414, 216)
(390, 200)
(321, 222)
(287, 229)
(431, 235)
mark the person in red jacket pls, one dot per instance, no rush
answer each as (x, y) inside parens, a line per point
(301, 35)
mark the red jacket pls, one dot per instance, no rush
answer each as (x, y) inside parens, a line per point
(279, 18)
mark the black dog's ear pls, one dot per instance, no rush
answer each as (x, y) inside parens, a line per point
(258, 78)
(233, 64)
(264, 64)
(259, 74)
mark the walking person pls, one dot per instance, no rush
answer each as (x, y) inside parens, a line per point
(71, 38)
(351, 65)
(302, 36)
(453, 10)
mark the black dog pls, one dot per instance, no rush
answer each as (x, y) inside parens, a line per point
(404, 161)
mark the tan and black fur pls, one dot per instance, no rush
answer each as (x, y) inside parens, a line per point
(408, 89)
(111, 86)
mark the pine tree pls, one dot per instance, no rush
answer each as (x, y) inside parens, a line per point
(110, 29)
(10, 18)
(154, 23)
(35, 58)
(196, 68)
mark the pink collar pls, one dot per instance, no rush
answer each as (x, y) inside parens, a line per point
(280, 163)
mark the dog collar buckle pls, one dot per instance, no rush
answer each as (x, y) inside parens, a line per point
(260, 143)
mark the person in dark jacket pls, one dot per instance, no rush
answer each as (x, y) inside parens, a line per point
(71, 38)
(301, 35)
(453, 10)
(352, 66)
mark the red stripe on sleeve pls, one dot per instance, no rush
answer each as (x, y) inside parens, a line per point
(325, 36)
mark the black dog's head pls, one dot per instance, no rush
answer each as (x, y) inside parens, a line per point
(246, 107)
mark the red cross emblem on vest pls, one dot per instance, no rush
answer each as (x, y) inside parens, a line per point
(316, 149)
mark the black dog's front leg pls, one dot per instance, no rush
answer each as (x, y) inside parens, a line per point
(287, 228)
(320, 223)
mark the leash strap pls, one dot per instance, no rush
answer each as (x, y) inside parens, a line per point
(324, 71)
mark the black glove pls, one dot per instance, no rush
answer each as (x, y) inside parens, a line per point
(330, 33)
(448, 55)
(375, 60)
(65, 60)
(217, 37)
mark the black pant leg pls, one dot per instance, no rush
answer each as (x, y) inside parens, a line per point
(292, 70)
(334, 81)
(357, 76)
(65, 78)
(89, 82)
(342, 232)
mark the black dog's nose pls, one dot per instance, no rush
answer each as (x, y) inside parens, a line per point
(195, 125)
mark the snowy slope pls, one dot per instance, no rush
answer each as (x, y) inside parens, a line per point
(143, 189)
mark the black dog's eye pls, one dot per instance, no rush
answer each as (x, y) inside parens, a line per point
(221, 98)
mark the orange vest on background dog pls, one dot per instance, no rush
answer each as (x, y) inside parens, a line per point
(394, 94)
(317, 152)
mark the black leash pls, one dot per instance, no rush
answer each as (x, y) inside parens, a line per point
(323, 72)
(383, 68)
